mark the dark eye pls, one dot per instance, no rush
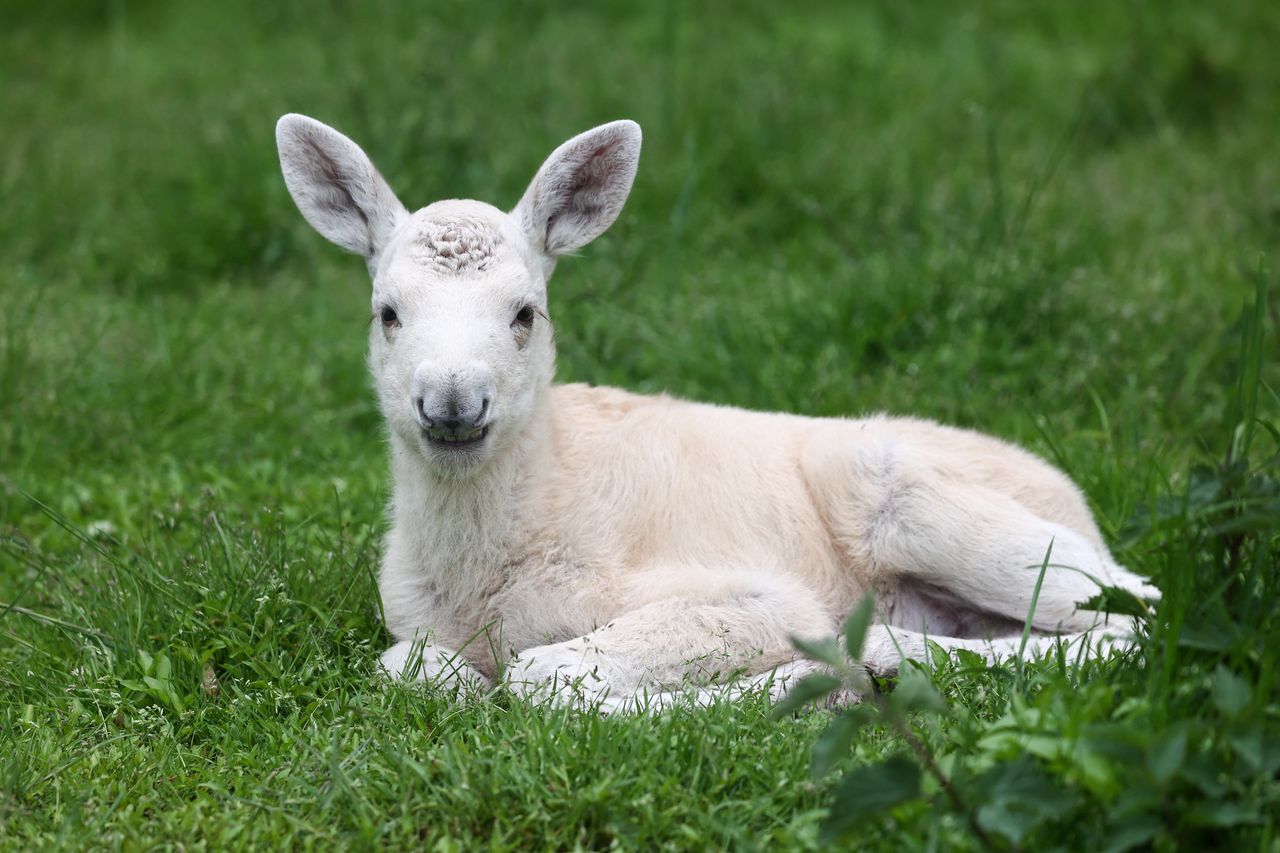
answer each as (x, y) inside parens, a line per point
(524, 316)
(389, 317)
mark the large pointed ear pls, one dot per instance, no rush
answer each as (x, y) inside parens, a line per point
(336, 186)
(581, 188)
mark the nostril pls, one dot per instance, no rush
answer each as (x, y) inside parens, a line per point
(484, 410)
(418, 403)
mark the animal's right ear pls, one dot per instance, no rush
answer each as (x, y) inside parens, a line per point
(336, 186)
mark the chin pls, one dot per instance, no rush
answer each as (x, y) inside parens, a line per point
(455, 458)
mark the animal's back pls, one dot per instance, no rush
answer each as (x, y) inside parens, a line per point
(653, 479)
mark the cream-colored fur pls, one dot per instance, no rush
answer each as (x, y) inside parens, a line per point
(625, 544)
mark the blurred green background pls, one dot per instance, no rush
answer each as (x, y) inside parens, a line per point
(985, 215)
(1038, 219)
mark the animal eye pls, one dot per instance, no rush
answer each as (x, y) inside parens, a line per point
(389, 317)
(525, 316)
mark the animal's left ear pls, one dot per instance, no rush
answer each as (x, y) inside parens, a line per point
(580, 190)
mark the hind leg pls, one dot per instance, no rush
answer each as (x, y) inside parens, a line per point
(988, 553)
(920, 523)
(886, 646)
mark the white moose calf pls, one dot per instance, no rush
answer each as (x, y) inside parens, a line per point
(631, 544)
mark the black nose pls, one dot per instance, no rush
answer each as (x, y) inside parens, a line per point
(451, 416)
(447, 426)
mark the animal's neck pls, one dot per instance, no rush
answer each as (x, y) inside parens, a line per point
(465, 526)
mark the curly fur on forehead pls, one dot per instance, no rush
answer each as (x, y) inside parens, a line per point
(456, 244)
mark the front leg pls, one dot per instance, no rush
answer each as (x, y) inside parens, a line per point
(728, 626)
(431, 643)
(420, 660)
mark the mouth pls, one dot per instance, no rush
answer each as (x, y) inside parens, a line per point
(457, 439)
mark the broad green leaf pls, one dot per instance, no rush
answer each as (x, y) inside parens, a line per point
(1009, 819)
(835, 742)
(855, 627)
(1047, 746)
(1262, 516)
(1019, 796)
(823, 651)
(1098, 771)
(1205, 771)
(1138, 799)
(1258, 752)
(867, 791)
(915, 692)
(1231, 693)
(1025, 780)
(809, 689)
(1113, 599)
(1165, 755)
(1130, 832)
(1206, 638)
(1222, 813)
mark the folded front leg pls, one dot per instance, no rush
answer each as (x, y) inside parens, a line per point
(772, 685)
(721, 629)
(424, 661)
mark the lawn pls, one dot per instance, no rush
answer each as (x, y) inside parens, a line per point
(1056, 223)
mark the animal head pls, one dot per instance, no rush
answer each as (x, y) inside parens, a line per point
(460, 343)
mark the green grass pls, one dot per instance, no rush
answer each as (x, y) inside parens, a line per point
(1039, 220)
